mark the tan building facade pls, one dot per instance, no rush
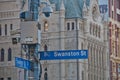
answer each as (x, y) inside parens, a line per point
(114, 36)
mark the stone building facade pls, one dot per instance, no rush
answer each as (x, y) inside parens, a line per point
(9, 24)
(74, 24)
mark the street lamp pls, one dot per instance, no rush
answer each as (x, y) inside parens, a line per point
(30, 33)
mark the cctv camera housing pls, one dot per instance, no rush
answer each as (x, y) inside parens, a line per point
(47, 11)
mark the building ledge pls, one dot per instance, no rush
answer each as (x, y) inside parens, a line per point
(115, 59)
(14, 32)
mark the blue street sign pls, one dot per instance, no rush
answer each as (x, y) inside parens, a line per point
(22, 63)
(64, 54)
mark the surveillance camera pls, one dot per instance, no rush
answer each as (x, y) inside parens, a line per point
(47, 11)
(47, 14)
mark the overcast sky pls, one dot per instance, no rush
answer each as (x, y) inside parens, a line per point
(103, 2)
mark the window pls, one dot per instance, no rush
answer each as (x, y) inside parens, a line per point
(83, 75)
(45, 76)
(9, 78)
(14, 40)
(119, 68)
(96, 30)
(5, 29)
(9, 54)
(0, 30)
(11, 26)
(90, 28)
(45, 26)
(99, 32)
(1, 78)
(118, 17)
(112, 14)
(45, 48)
(119, 4)
(68, 26)
(93, 29)
(82, 46)
(2, 55)
(112, 2)
(73, 26)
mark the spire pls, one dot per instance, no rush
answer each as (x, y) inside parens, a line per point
(62, 7)
(84, 6)
(84, 9)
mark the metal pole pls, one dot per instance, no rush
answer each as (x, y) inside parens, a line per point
(36, 66)
(26, 71)
(77, 48)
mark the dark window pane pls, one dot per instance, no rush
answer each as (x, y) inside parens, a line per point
(73, 26)
(1, 78)
(45, 48)
(9, 78)
(5, 29)
(9, 54)
(2, 54)
(45, 76)
(118, 17)
(68, 26)
(11, 26)
(14, 40)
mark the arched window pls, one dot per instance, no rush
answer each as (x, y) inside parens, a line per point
(45, 26)
(2, 55)
(45, 48)
(9, 54)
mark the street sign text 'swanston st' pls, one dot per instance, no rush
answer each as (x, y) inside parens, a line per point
(63, 54)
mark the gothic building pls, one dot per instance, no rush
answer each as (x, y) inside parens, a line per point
(73, 25)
